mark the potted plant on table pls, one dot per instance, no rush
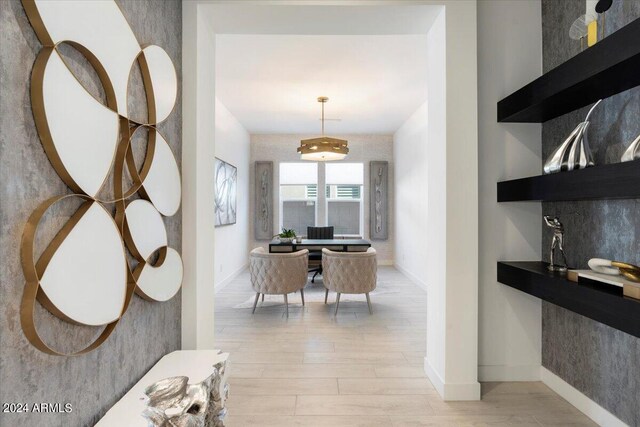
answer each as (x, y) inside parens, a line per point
(287, 235)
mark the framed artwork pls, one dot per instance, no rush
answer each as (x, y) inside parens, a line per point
(226, 179)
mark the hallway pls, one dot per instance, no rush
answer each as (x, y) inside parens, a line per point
(357, 369)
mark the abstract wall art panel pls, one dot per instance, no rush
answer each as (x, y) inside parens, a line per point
(263, 201)
(115, 243)
(226, 180)
(379, 200)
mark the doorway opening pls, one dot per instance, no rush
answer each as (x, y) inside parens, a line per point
(421, 144)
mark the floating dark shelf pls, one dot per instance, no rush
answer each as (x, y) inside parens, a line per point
(613, 181)
(610, 66)
(600, 302)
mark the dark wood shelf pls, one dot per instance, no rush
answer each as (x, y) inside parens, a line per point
(600, 302)
(610, 66)
(613, 181)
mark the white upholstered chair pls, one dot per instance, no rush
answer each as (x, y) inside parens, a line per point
(278, 273)
(349, 273)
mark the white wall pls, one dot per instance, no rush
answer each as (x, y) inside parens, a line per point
(410, 178)
(198, 142)
(452, 207)
(436, 229)
(509, 56)
(232, 146)
(362, 148)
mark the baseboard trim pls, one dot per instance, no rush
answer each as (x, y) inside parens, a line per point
(217, 287)
(415, 279)
(434, 377)
(508, 373)
(449, 391)
(584, 404)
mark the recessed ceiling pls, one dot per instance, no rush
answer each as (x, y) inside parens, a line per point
(270, 82)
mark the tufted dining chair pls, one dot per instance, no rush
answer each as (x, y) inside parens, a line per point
(349, 273)
(278, 273)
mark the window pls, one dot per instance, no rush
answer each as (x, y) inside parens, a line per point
(298, 196)
(344, 197)
(341, 197)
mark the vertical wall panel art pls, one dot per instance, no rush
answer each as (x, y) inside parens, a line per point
(379, 200)
(84, 274)
(263, 201)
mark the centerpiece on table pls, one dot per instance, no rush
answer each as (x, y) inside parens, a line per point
(286, 236)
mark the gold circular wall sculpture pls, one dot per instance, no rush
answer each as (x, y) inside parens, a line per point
(83, 276)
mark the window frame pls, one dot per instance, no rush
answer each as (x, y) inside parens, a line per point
(359, 200)
(321, 197)
(282, 199)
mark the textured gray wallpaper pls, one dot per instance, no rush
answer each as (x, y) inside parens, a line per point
(93, 382)
(600, 361)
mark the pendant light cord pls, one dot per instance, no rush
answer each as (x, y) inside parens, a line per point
(322, 118)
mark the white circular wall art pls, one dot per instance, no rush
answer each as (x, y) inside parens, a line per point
(162, 182)
(162, 78)
(146, 229)
(83, 275)
(86, 278)
(71, 118)
(163, 282)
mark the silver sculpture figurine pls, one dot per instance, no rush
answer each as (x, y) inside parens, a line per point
(574, 152)
(556, 243)
(633, 152)
(173, 402)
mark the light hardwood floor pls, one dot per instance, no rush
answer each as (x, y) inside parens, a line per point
(355, 369)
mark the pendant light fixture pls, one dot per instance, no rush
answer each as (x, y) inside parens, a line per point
(325, 148)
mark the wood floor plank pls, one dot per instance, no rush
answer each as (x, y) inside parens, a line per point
(400, 372)
(507, 404)
(363, 405)
(385, 386)
(569, 420)
(354, 357)
(283, 386)
(245, 370)
(464, 421)
(346, 347)
(319, 370)
(251, 357)
(308, 421)
(288, 346)
(261, 405)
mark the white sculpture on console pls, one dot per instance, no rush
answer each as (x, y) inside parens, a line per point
(173, 402)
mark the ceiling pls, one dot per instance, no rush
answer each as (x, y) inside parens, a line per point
(270, 82)
(321, 17)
